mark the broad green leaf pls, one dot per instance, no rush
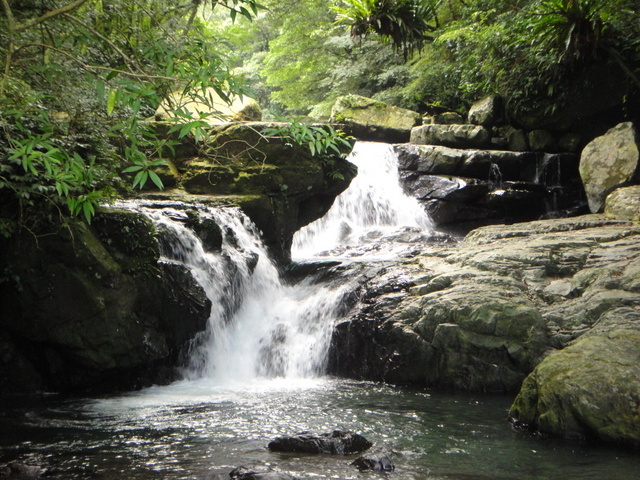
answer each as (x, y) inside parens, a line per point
(111, 101)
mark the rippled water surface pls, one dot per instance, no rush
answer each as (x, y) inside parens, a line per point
(195, 430)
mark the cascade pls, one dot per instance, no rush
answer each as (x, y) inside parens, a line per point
(260, 326)
(372, 207)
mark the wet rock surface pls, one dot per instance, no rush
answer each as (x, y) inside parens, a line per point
(334, 443)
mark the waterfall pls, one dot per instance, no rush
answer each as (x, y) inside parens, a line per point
(374, 206)
(260, 326)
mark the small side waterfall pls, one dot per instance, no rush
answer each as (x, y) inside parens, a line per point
(373, 206)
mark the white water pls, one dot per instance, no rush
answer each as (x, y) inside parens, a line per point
(374, 206)
(259, 326)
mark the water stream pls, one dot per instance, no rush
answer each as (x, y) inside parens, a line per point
(257, 372)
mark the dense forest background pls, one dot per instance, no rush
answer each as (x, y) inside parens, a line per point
(80, 79)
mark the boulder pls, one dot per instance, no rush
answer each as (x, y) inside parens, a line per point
(455, 136)
(487, 112)
(209, 106)
(624, 203)
(483, 315)
(610, 161)
(334, 443)
(369, 119)
(517, 141)
(542, 141)
(570, 142)
(444, 118)
(588, 390)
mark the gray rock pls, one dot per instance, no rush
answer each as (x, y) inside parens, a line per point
(448, 118)
(624, 203)
(487, 112)
(456, 136)
(542, 141)
(608, 162)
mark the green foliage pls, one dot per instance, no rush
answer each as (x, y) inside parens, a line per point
(404, 23)
(322, 141)
(319, 140)
(573, 28)
(102, 68)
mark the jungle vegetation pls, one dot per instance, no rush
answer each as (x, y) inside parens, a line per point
(79, 78)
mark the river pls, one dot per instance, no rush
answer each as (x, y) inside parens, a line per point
(257, 373)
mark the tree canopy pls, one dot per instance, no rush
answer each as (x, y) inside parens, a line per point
(80, 78)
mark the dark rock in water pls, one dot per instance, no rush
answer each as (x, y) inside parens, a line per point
(375, 463)
(21, 470)
(335, 443)
(245, 473)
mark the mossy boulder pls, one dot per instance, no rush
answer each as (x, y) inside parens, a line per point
(588, 390)
(610, 161)
(369, 119)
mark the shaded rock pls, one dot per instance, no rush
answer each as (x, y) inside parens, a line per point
(334, 443)
(590, 389)
(279, 185)
(374, 463)
(441, 160)
(91, 308)
(624, 203)
(517, 141)
(542, 141)
(487, 112)
(570, 142)
(369, 119)
(208, 105)
(608, 162)
(455, 136)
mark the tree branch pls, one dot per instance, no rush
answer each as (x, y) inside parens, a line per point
(50, 14)
(125, 57)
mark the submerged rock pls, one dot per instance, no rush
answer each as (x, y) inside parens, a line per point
(374, 463)
(334, 443)
(251, 473)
